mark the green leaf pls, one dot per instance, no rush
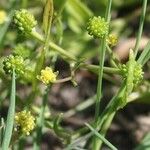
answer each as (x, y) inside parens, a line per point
(48, 16)
(10, 116)
(145, 55)
(101, 137)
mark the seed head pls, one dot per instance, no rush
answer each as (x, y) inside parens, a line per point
(97, 27)
(137, 75)
(14, 62)
(24, 20)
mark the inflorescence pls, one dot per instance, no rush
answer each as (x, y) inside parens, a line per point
(24, 20)
(97, 27)
(24, 122)
(14, 62)
(47, 76)
(112, 40)
(137, 75)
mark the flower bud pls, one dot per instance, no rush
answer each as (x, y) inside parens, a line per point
(112, 40)
(14, 62)
(47, 76)
(24, 20)
(24, 122)
(137, 74)
(97, 27)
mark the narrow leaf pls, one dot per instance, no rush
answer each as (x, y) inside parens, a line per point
(48, 16)
(10, 116)
(145, 55)
(101, 137)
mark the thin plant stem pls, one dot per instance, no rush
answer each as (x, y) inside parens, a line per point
(104, 118)
(113, 58)
(70, 56)
(63, 80)
(10, 115)
(40, 121)
(105, 127)
(53, 46)
(95, 69)
(101, 137)
(139, 35)
(101, 65)
(100, 76)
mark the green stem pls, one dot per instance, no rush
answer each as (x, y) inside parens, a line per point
(113, 59)
(63, 52)
(111, 108)
(53, 46)
(10, 116)
(100, 76)
(95, 69)
(140, 27)
(110, 111)
(105, 127)
(40, 122)
(101, 137)
(101, 65)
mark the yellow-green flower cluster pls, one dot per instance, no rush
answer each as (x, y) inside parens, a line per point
(14, 62)
(137, 75)
(24, 122)
(97, 27)
(24, 20)
(3, 16)
(47, 75)
(112, 39)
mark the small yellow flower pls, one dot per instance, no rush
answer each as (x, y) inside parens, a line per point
(112, 40)
(24, 122)
(47, 76)
(3, 16)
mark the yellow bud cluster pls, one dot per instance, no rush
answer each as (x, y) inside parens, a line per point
(47, 76)
(24, 122)
(112, 39)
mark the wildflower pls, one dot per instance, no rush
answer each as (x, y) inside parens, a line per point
(3, 16)
(112, 39)
(24, 122)
(137, 75)
(24, 20)
(14, 62)
(97, 27)
(47, 76)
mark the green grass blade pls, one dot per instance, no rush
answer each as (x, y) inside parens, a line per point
(139, 35)
(145, 55)
(10, 116)
(101, 137)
